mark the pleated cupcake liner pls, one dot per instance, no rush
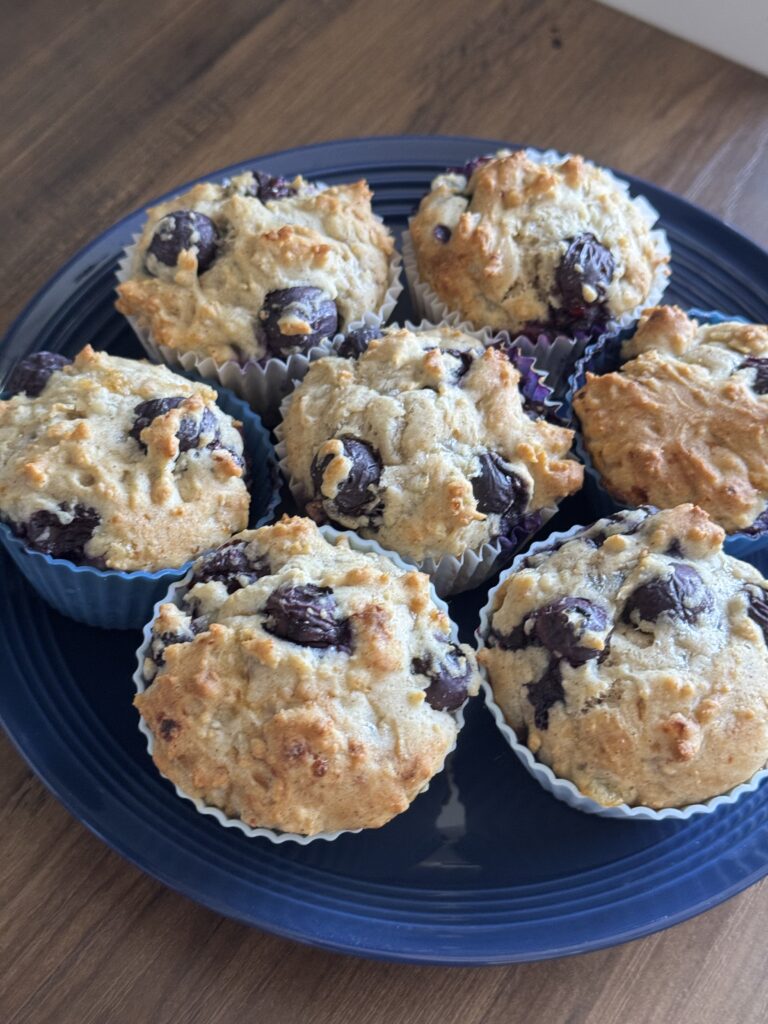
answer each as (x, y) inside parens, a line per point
(452, 574)
(569, 348)
(563, 789)
(605, 357)
(265, 382)
(174, 595)
(112, 599)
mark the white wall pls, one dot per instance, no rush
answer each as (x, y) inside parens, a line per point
(737, 29)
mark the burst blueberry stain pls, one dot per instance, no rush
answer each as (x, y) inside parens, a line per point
(358, 492)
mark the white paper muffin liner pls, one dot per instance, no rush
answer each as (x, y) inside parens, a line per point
(174, 595)
(261, 383)
(427, 303)
(450, 574)
(564, 789)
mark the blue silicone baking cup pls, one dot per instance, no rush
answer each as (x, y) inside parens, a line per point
(124, 600)
(605, 357)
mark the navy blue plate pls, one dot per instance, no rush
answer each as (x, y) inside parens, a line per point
(485, 867)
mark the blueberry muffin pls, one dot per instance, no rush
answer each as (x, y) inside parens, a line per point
(632, 659)
(302, 685)
(424, 444)
(685, 418)
(256, 267)
(522, 245)
(116, 463)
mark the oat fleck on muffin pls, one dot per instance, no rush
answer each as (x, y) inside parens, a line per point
(632, 659)
(424, 444)
(257, 267)
(117, 463)
(516, 244)
(685, 418)
(302, 685)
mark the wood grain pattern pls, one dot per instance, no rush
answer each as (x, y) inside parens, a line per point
(105, 105)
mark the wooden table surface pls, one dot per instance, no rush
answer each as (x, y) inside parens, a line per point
(106, 104)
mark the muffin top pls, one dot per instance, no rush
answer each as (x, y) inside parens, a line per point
(257, 267)
(632, 659)
(117, 463)
(516, 244)
(685, 419)
(424, 444)
(302, 685)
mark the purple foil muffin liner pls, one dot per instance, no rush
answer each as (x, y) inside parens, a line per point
(174, 594)
(452, 575)
(569, 347)
(564, 789)
(265, 382)
(605, 357)
(112, 599)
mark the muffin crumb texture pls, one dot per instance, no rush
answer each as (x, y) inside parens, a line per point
(302, 685)
(515, 244)
(423, 443)
(247, 271)
(118, 464)
(632, 659)
(685, 418)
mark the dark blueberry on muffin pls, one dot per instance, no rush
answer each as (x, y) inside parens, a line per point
(182, 231)
(449, 678)
(760, 366)
(497, 488)
(357, 493)
(30, 375)
(681, 595)
(545, 693)
(267, 187)
(357, 341)
(561, 625)
(298, 318)
(190, 431)
(231, 566)
(306, 615)
(62, 536)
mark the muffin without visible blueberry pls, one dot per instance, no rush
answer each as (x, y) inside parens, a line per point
(632, 659)
(424, 444)
(685, 418)
(257, 267)
(302, 685)
(117, 463)
(520, 245)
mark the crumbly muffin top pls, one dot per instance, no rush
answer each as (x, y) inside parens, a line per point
(302, 685)
(632, 659)
(117, 463)
(423, 443)
(685, 419)
(513, 243)
(257, 267)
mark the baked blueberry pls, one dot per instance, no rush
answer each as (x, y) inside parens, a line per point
(498, 488)
(583, 276)
(449, 678)
(760, 366)
(561, 625)
(758, 608)
(545, 693)
(356, 342)
(64, 535)
(267, 187)
(181, 231)
(231, 566)
(190, 431)
(30, 375)
(306, 615)
(682, 595)
(358, 492)
(442, 233)
(298, 318)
